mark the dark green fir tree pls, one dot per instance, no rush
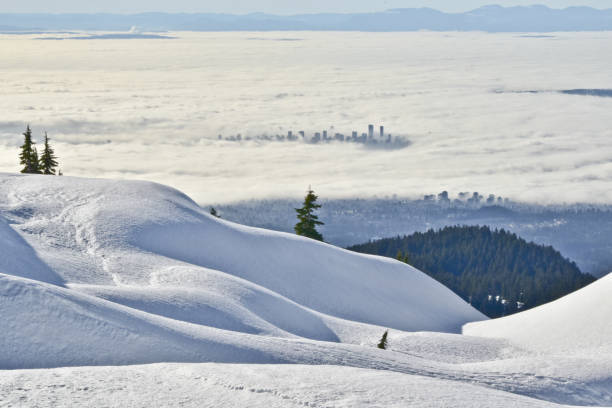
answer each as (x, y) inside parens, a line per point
(28, 157)
(308, 220)
(35, 162)
(48, 162)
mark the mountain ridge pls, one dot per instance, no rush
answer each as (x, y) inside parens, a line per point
(492, 18)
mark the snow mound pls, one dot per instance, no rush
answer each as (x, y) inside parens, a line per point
(47, 326)
(577, 324)
(139, 234)
(44, 325)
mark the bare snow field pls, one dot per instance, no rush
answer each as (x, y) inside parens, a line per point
(226, 385)
(127, 293)
(483, 112)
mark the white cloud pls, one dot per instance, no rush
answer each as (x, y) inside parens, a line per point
(152, 109)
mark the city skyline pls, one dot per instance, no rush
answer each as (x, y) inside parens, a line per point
(371, 137)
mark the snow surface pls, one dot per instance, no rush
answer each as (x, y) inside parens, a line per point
(111, 273)
(222, 385)
(578, 324)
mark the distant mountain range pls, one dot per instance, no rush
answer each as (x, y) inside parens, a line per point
(488, 18)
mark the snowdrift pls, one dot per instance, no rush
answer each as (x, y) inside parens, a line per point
(45, 325)
(19, 258)
(102, 272)
(577, 324)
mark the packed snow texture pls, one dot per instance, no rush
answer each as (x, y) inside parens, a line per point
(269, 386)
(98, 272)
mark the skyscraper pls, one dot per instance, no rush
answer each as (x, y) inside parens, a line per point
(382, 132)
(370, 132)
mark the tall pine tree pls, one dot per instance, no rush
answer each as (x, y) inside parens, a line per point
(28, 157)
(308, 220)
(48, 161)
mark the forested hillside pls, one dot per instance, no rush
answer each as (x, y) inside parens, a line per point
(496, 271)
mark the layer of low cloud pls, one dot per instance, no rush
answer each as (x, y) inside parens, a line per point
(152, 110)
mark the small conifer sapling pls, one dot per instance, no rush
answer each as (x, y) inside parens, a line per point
(383, 341)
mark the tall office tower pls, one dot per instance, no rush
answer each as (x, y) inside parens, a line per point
(382, 132)
(370, 132)
(325, 135)
(354, 135)
(290, 135)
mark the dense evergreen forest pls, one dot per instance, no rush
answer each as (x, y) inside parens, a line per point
(496, 271)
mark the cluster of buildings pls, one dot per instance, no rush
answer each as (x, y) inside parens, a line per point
(504, 302)
(369, 138)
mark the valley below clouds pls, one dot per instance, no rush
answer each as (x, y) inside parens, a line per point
(483, 112)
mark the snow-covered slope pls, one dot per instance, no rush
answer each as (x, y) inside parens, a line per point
(153, 250)
(578, 324)
(100, 272)
(20, 259)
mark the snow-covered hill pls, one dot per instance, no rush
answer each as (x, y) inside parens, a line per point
(100, 272)
(153, 250)
(579, 324)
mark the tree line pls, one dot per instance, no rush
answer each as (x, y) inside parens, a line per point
(31, 162)
(496, 271)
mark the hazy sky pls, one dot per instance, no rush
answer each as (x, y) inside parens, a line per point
(270, 6)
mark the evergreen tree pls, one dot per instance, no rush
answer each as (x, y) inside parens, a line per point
(28, 157)
(48, 161)
(35, 162)
(308, 220)
(383, 341)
